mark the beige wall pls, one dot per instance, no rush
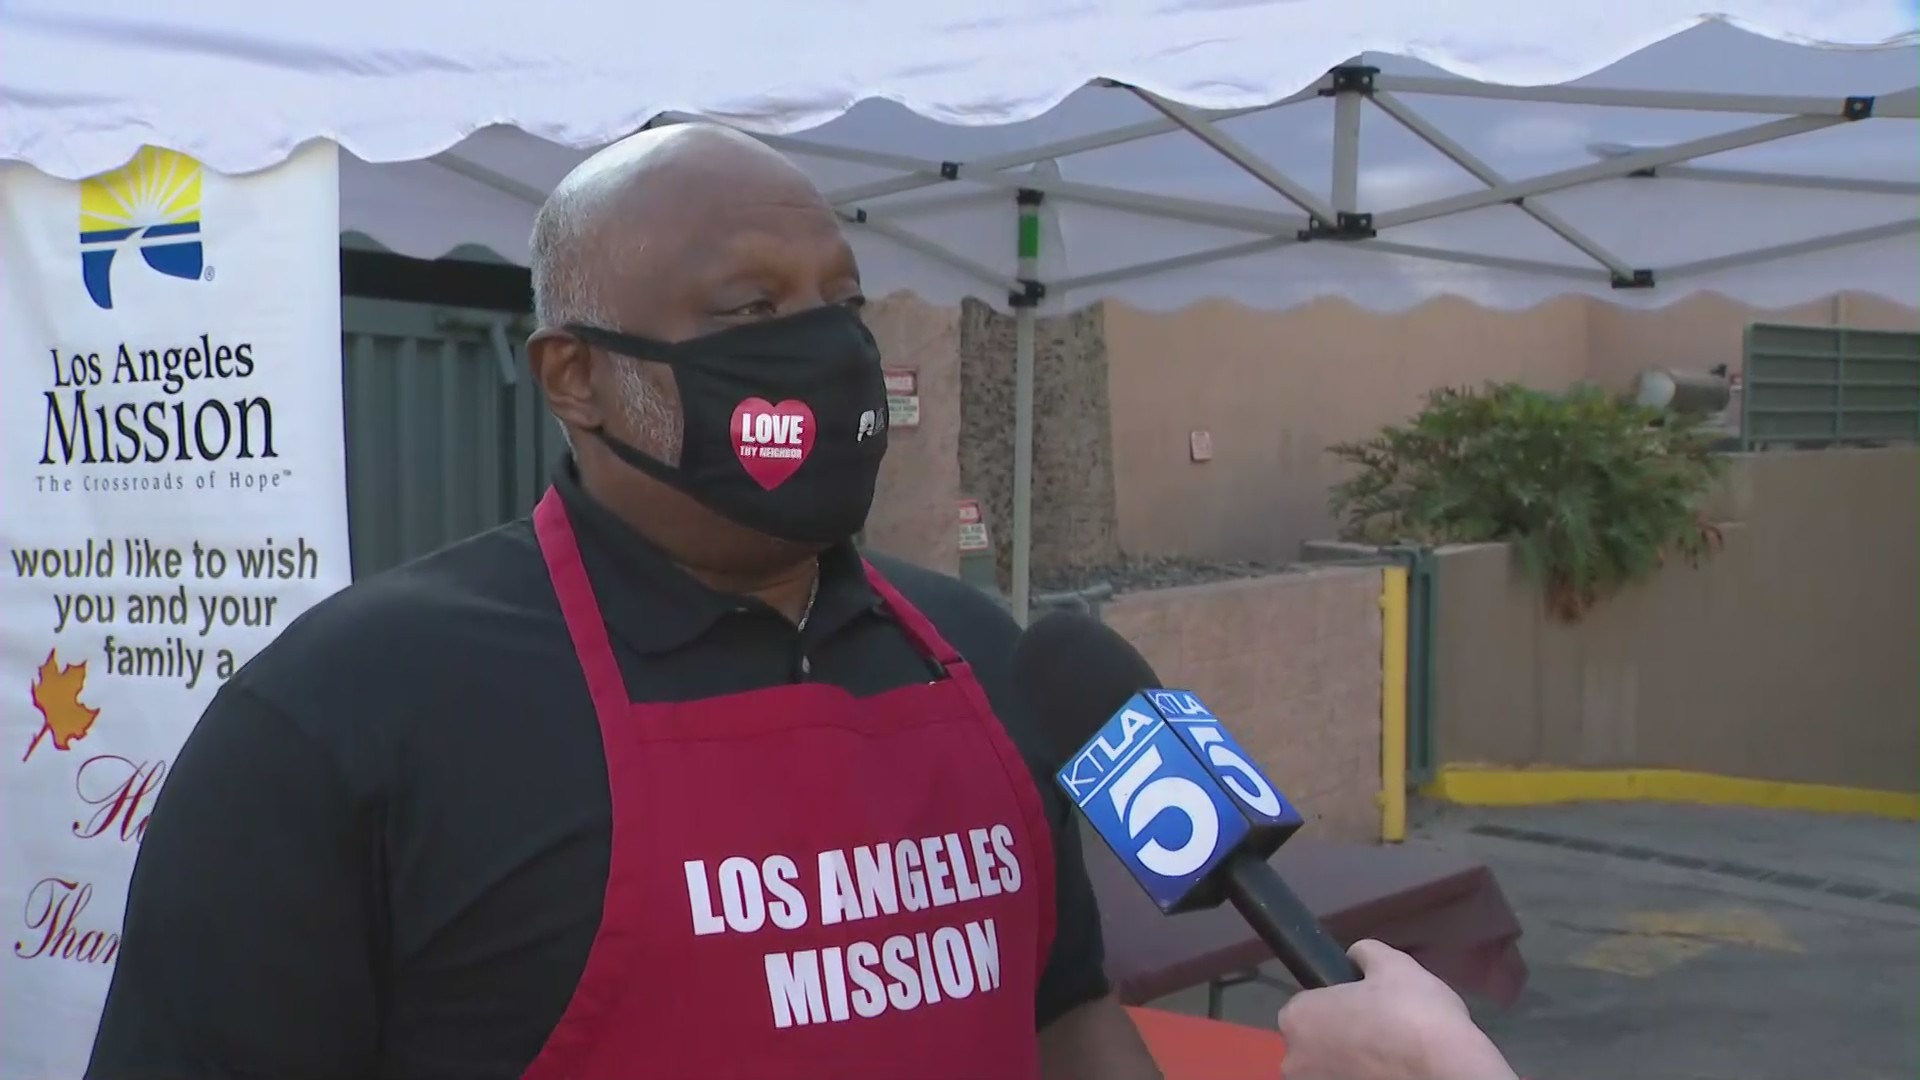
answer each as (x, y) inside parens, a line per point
(1793, 655)
(914, 503)
(1275, 389)
(1293, 662)
(1708, 330)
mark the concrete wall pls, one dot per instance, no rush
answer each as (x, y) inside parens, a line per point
(1793, 655)
(1293, 662)
(1275, 389)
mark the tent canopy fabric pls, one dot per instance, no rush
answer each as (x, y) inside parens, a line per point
(1504, 151)
(1057, 152)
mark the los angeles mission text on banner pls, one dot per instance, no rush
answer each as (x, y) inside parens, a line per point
(172, 495)
(142, 404)
(874, 970)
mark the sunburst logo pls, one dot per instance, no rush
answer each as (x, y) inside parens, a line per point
(152, 203)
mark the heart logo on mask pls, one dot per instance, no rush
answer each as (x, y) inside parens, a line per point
(772, 441)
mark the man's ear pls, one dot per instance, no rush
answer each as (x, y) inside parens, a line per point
(563, 366)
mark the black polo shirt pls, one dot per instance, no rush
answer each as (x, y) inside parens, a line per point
(383, 850)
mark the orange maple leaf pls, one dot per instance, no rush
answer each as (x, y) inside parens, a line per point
(56, 693)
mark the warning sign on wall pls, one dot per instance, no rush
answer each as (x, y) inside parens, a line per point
(903, 397)
(973, 528)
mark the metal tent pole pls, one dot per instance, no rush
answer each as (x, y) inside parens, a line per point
(1024, 303)
(1347, 105)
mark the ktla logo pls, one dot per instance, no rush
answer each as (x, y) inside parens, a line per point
(1172, 794)
(151, 203)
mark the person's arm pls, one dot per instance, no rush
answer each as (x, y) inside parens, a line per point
(1397, 1023)
(1084, 1033)
(1095, 1041)
(247, 949)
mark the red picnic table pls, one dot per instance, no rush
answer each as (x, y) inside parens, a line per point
(1192, 1048)
(1445, 910)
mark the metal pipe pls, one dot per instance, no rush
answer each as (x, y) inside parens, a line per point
(1023, 330)
(1022, 462)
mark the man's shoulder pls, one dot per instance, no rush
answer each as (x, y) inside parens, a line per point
(965, 615)
(439, 611)
(984, 632)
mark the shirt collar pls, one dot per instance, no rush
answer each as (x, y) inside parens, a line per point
(654, 606)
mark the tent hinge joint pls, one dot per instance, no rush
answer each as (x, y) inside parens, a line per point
(1638, 279)
(949, 170)
(1029, 294)
(1346, 226)
(1858, 107)
(1643, 174)
(1029, 197)
(1350, 79)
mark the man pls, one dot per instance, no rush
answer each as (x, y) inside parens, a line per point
(662, 783)
(1398, 1023)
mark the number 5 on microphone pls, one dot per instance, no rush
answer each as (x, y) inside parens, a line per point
(1174, 797)
(1139, 797)
(1195, 724)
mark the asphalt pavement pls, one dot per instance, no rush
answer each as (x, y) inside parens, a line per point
(1692, 943)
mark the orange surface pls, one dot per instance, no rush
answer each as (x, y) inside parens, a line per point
(1192, 1048)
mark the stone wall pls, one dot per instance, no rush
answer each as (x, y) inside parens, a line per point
(1074, 523)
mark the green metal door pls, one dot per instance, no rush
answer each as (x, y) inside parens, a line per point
(446, 433)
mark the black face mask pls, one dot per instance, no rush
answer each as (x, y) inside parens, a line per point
(785, 421)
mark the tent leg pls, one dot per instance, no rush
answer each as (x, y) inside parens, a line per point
(1024, 304)
(1347, 105)
(1022, 462)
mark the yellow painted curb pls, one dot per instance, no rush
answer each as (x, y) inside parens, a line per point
(1491, 786)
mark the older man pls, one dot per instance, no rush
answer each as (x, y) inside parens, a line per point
(663, 782)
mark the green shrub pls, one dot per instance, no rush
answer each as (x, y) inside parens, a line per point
(1592, 492)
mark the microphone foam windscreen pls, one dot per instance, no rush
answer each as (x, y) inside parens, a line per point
(1074, 672)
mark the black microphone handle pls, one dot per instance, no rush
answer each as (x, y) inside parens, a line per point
(1284, 923)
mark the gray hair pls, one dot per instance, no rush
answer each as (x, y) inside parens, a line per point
(568, 267)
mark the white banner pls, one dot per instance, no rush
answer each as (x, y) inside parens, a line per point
(172, 493)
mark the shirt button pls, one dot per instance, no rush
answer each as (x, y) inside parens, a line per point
(806, 666)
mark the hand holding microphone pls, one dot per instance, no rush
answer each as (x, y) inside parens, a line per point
(1168, 789)
(1399, 1023)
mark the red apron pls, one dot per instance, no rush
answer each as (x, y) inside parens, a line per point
(805, 884)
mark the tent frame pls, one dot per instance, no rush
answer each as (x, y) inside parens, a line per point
(1339, 219)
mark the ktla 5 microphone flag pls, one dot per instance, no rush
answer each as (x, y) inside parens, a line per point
(172, 493)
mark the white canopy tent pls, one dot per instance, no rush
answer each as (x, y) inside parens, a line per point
(1051, 153)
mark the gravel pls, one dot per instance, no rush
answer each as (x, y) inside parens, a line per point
(1140, 573)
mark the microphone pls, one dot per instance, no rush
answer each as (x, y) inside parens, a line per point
(1167, 788)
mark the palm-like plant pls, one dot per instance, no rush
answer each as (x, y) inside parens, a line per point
(1592, 492)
